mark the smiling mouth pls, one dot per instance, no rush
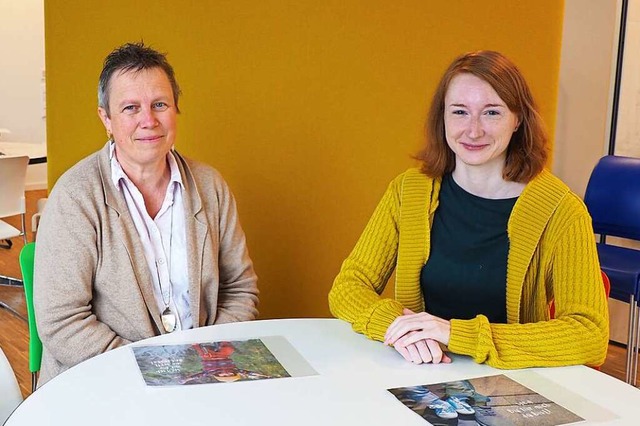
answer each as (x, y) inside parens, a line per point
(150, 138)
(474, 147)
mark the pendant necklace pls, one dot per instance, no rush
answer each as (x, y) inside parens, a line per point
(169, 320)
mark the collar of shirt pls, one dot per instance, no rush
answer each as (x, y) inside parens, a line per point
(118, 175)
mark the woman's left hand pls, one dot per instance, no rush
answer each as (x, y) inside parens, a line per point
(411, 327)
(423, 351)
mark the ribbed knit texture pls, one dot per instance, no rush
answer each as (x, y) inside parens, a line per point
(552, 255)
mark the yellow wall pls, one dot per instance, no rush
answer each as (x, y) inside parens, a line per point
(307, 107)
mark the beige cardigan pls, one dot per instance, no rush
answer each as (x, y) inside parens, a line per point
(92, 287)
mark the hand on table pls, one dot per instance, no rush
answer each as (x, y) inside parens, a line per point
(416, 337)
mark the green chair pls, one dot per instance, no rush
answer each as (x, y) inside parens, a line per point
(35, 344)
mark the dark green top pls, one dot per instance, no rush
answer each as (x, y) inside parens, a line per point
(466, 273)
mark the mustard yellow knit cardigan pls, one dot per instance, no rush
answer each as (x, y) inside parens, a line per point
(552, 255)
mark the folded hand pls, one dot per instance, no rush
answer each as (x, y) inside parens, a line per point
(416, 337)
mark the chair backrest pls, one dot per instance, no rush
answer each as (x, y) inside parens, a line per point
(613, 197)
(10, 395)
(13, 177)
(35, 344)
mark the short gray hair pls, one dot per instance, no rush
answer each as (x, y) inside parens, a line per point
(133, 57)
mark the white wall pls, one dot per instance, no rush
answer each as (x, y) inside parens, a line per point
(589, 48)
(22, 104)
(628, 124)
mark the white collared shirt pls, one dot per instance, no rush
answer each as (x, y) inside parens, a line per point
(163, 240)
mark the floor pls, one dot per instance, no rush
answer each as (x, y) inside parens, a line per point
(14, 332)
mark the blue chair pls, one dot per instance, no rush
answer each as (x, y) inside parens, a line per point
(613, 200)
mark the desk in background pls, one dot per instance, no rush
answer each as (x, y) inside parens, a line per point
(37, 152)
(350, 388)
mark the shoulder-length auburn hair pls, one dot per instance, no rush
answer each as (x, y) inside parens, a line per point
(528, 149)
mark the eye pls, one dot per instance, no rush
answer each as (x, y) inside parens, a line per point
(458, 112)
(130, 109)
(492, 112)
(160, 106)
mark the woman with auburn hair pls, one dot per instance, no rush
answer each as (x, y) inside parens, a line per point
(482, 239)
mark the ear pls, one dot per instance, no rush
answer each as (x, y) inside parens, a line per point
(515, 129)
(104, 117)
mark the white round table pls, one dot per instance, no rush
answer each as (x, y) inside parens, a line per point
(37, 153)
(350, 388)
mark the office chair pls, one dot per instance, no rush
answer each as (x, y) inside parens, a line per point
(13, 175)
(35, 344)
(613, 200)
(10, 395)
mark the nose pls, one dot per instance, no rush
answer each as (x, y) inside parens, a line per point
(148, 119)
(475, 128)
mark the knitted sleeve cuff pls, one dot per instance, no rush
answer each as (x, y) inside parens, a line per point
(464, 336)
(386, 311)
